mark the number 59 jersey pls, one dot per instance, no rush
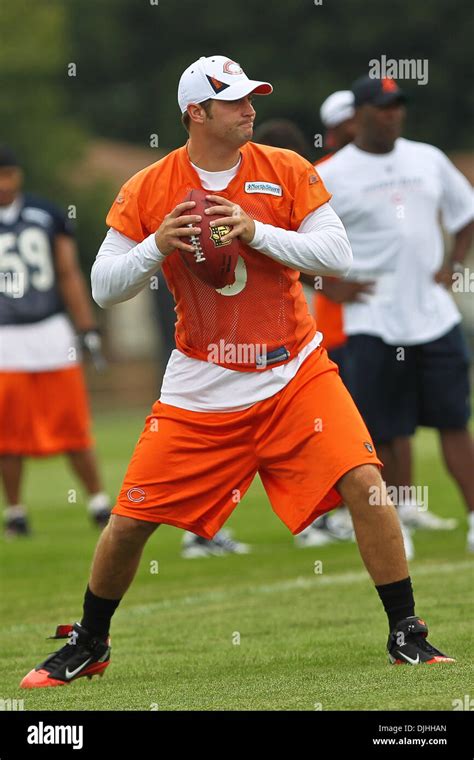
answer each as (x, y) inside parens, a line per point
(28, 287)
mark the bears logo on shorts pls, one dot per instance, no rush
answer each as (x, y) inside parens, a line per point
(136, 494)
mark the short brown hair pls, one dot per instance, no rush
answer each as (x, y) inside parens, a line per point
(283, 133)
(186, 121)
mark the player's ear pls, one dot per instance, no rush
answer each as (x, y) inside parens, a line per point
(196, 112)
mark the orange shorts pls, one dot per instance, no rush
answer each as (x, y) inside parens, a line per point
(44, 413)
(190, 469)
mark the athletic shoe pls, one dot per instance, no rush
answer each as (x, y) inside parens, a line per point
(407, 542)
(223, 543)
(314, 535)
(418, 519)
(99, 509)
(227, 543)
(333, 526)
(17, 526)
(101, 517)
(339, 524)
(83, 655)
(408, 645)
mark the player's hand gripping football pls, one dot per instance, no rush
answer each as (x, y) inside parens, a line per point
(174, 227)
(242, 225)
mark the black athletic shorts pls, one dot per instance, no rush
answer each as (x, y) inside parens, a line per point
(398, 388)
(338, 356)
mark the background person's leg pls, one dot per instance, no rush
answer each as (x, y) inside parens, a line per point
(458, 453)
(444, 388)
(397, 461)
(84, 464)
(15, 516)
(11, 467)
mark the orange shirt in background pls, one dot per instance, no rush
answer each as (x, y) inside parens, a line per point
(329, 315)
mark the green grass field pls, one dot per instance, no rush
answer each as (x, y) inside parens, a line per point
(307, 641)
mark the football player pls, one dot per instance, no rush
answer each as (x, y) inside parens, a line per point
(43, 403)
(217, 423)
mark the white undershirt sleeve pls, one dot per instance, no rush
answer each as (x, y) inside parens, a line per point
(122, 268)
(319, 246)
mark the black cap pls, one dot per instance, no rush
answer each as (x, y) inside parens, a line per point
(7, 157)
(377, 92)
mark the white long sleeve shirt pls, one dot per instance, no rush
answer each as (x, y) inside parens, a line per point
(123, 268)
(391, 204)
(320, 246)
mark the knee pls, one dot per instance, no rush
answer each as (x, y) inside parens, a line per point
(361, 483)
(129, 530)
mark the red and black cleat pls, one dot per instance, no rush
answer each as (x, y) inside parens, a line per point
(83, 655)
(408, 645)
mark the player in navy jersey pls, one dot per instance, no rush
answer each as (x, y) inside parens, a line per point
(43, 402)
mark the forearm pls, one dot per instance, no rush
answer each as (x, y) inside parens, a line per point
(320, 246)
(123, 268)
(77, 300)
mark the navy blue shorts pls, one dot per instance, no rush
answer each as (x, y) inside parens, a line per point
(338, 356)
(398, 388)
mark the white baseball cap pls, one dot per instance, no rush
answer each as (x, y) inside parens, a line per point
(219, 78)
(337, 108)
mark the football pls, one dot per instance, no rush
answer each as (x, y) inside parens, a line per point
(212, 261)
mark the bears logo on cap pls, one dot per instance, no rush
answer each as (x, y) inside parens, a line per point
(231, 67)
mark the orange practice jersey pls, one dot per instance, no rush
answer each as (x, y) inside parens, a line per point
(328, 313)
(265, 306)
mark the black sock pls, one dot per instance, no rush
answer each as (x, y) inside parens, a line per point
(98, 614)
(397, 599)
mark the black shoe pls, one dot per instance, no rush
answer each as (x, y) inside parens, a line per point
(17, 526)
(408, 645)
(83, 655)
